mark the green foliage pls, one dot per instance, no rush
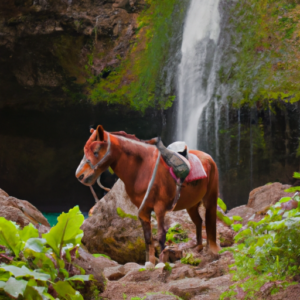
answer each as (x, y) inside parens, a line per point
(176, 234)
(222, 204)
(189, 259)
(236, 227)
(237, 218)
(224, 218)
(267, 251)
(40, 263)
(122, 214)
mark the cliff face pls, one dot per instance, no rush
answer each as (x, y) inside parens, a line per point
(50, 48)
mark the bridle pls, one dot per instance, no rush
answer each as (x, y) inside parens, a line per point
(102, 160)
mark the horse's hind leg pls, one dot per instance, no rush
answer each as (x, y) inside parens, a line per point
(145, 219)
(194, 214)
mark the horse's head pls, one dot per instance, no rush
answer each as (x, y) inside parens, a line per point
(96, 157)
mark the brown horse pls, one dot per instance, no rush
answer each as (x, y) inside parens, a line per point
(134, 162)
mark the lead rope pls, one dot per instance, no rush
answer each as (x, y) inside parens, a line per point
(151, 182)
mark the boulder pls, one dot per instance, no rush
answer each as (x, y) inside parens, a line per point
(243, 211)
(261, 198)
(114, 228)
(20, 211)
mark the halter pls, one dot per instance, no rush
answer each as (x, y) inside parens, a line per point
(103, 158)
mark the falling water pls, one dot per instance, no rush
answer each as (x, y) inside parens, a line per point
(198, 67)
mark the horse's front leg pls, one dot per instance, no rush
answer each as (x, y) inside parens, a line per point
(145, 218)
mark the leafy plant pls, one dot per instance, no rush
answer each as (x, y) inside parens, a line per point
(268, 250)
(189, 259)
(42, 268)
(176, 234)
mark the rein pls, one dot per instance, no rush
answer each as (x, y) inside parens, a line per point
(151, 181)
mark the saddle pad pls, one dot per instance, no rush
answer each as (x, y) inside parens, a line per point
(197, 171)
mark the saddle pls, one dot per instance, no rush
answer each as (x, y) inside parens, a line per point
(183, 166)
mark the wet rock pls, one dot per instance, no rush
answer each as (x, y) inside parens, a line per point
(20, 211)
(261, 198)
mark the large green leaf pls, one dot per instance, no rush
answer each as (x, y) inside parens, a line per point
(28, 232)
(23, 272)
(36, 244)
(67, 230)
(9, 236)
(65, 290)
(15, 287)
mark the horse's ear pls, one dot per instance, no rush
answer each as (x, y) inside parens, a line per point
(100, 133)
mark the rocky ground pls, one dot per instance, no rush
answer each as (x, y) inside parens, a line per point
(113, 229)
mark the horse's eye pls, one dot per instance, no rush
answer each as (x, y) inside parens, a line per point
(96, 154)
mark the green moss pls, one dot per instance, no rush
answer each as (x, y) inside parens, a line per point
(176, 234)
(122, 214)
(266, 69)
(189, 259)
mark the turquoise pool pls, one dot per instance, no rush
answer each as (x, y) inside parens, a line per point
(52, 217)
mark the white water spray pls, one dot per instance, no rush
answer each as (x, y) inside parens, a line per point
(198, 67)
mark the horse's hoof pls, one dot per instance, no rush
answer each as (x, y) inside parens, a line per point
(199, 248)
(214, 249)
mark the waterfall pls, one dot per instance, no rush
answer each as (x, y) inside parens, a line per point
(197, 71)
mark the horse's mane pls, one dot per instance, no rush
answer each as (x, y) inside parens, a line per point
(133, 137)
(126, 135)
